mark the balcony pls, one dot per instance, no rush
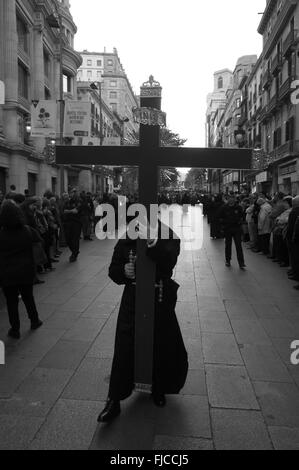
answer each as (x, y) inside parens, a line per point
(267, 79)
(273, 103)
(290, 42)
(285, 89)
(289, 149)
(276, 64)
(265, 113)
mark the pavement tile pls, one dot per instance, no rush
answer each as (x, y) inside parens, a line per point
(70, 426)
(277, 328)
(264, 364)
(65, 355)
(61, 320)
(249, 332)
(17, 368)
(16, 432)
(239, 309)
(195, 383)
(221, 349)
(38, 343)
(184, 416)
(267, 311)
(99, 309)
(195, 354)
(279, 403)
(215, 323)
(230, 387)
(90, 381)
(36, 394)
(284, 438)
(214, 304)
(239, 430)
(85, 329)
(181, 443)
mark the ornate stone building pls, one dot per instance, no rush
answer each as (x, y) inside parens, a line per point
(106, 70)
(30, 68)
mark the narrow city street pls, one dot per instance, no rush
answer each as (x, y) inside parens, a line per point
(242, 391)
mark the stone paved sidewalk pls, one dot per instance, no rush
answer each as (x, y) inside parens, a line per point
(241, 392)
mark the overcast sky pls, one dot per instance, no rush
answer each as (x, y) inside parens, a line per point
(182, 43)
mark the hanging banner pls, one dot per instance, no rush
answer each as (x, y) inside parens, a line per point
(77, 119)
(149, 117)
(2, 93)
(44, 119)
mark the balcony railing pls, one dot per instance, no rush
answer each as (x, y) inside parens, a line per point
(264, 113)
(290, 42)
(290, 148)
(272, 104)
(285, 89)
(276, 64)
(267, 79)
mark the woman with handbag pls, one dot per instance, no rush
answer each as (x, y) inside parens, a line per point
(17, 268)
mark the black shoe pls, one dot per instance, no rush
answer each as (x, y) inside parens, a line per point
(37, 282)
(242, 266)
(111, 411)
(36, 325)
(54, 260)
(73, 259)
(227, 264)
(159, 399)
(296, 287)
(15, 334)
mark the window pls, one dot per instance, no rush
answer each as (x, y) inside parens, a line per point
(47, 64)
(113, 95)
(113, 106)
(67, 84)
(22, 32)
(277, 138)
(47, 94)
(89, 63)
(99, 74)
(99, 63)
(89, 74)
(113, 83)
(220, 82)
(23, 81)
(289, 129)
(110, 62)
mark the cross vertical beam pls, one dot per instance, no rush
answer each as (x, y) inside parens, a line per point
(146, 270)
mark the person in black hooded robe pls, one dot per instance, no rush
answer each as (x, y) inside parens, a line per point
(170, 361)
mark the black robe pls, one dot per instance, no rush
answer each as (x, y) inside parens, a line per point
(170, 362)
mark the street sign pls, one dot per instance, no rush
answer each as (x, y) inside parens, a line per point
(77, 119)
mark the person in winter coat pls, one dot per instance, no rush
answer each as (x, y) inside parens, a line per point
(264, 225)
(17, 268)
(231, 219)
(293, 240)
(170, 360)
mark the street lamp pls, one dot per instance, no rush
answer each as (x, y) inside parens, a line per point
(55, 22)
(94, 87)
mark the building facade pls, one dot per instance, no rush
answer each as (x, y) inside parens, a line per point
(280, 117)
(30, 68)
(216, 102)
(106, 70)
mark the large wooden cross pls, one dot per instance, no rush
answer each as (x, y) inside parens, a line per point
(149, 157)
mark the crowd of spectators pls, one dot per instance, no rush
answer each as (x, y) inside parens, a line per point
(269, 225)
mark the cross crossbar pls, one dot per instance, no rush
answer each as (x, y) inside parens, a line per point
(219, 158)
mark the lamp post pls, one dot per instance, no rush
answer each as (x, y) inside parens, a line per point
(241, 142)
(55, 22)
(93, 86)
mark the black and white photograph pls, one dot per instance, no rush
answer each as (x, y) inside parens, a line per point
(149, 228)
